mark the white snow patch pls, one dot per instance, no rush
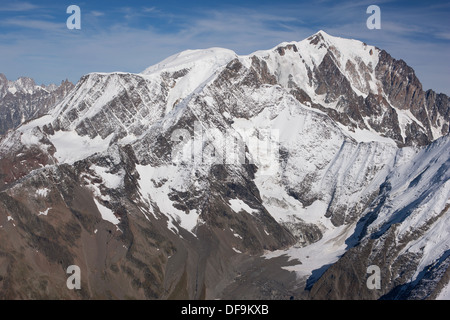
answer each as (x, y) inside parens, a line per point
(129, 138)
(405, 117)
(314, 256)
(156, 183)
(106, 213)
(39, 122)
(235, 234)
(29, 139)
(112, 181)
(236, 250)
(445, 293)
(42, 192)
(70, 147)
(238, 205)
(13, 90)
(364, 135)
(96, 190)
(45, 212)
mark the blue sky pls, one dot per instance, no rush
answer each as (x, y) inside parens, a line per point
(132, 35)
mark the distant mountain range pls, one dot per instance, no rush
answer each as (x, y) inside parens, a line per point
(23, 100)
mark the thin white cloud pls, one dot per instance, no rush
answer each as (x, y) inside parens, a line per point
(150, 9)
(443, 35)
(97, 13)
(33, 24)
(18, 6)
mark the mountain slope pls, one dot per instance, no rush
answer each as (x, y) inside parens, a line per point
(299, 158)
(405, 233)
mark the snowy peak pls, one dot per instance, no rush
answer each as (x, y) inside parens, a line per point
(23, 85)
(211, 58)
(297, 63)
(354, 59)
(360, 87)
(190, 70)
(345, 49)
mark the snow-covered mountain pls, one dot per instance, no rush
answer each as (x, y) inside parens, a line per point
(213, 175)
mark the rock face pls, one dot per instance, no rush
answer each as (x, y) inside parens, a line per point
(210, 175)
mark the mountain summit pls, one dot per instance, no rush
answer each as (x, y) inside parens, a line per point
(286, 172)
